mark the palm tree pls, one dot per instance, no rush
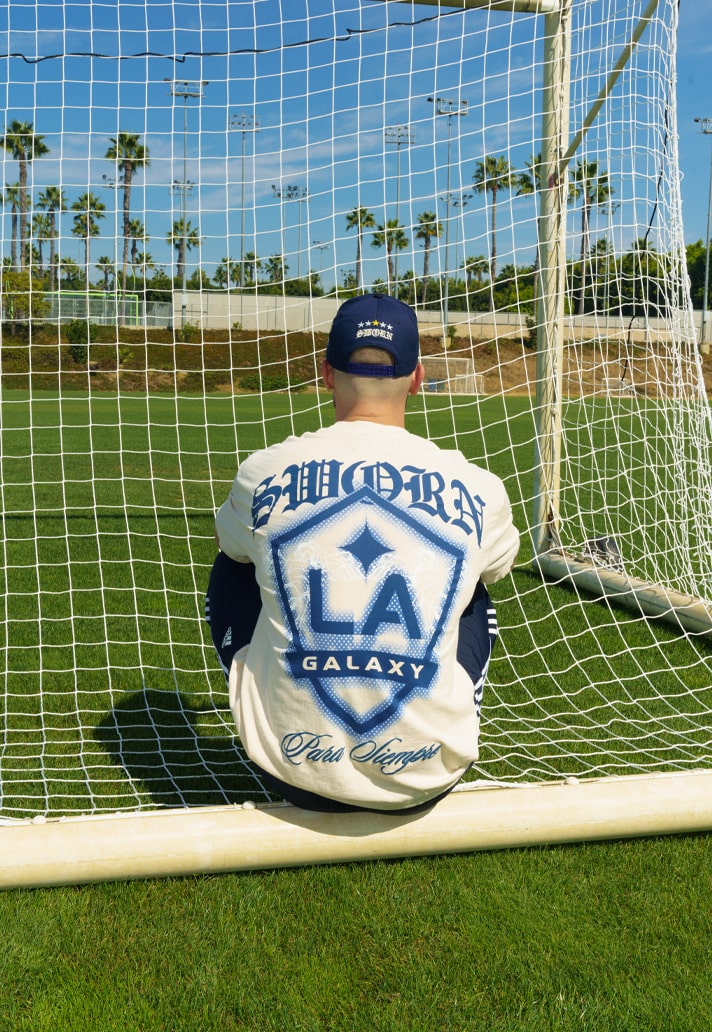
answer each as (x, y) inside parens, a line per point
(252, 266)
(182, 237)
(475, 267)
(492, 175)
(52, 200)
(227, 273)
(141, 261)
(602, 259)
(428, 229)
(276, 268)
(42, 230)
(89, 211)
(11, 200)
(360, 219)
(129, 155)
(533, 181)
(71, 273)
(25, 145)
(105, 265)
(392, 237)
(594, 189)
(137, 235)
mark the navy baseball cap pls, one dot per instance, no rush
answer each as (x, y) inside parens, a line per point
(376, 321)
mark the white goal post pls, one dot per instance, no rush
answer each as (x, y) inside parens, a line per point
(451, 375)
(184, 211)
(219, 840)
(558, 151)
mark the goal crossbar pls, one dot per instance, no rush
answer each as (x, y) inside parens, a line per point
(520, 6)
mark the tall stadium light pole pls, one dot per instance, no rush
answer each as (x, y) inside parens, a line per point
(461, 201)
(187, 89)
(183, 189)
(301, 199)
(244, 124)
(451, 109)
(706, 129)
(397, 135)
(294, 192)
(321, 246)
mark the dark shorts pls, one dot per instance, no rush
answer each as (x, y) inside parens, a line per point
(232, 607)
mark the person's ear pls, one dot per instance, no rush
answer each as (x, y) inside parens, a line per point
(327, 375)
(416, 379)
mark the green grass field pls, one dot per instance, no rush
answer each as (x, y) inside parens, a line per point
(108, 505)
(612, 937)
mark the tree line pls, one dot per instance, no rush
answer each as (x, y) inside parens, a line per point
(600, 280)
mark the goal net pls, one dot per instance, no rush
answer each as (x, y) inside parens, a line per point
(451, 375)
(189, 192)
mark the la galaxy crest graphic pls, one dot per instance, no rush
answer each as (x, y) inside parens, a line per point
(363, 639)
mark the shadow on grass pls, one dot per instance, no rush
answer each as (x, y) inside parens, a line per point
(154, 737)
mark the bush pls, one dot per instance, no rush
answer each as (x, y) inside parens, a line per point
(265, 382)
(21, 300)
(188, 334)
(79, 333)
(79, 353)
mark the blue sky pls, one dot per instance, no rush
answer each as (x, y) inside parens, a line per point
(91, 69)
(694, 98)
